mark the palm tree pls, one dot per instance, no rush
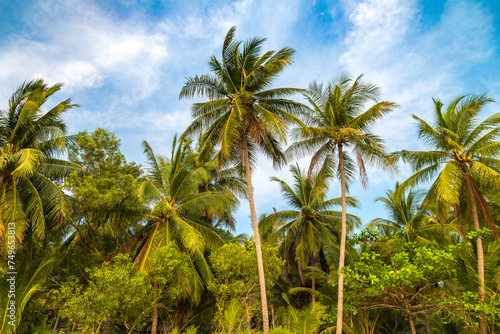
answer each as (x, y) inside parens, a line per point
(337, 121)
(464, 158)
(27, 282)
(223, 178)
(311, 222)
(172, 190)
(243, 115)
(30, 141)
(407, 214)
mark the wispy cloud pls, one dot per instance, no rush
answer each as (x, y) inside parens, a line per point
(77, 44)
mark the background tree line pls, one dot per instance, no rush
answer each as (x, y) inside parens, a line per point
(109, 246)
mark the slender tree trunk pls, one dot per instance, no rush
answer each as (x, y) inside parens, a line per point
(458, 226)
(277, 228)
(154, 326)
(272, 316)
(318, 262)
(247, 314)
(427, 324)
(313, 286)
(412, 325)
(56, 324)
(479, 246)
(340, 303)
(260, 265)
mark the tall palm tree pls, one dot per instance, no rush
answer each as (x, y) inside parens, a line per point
(463, 158)
(31, 139)
(336, 122)
(244, 115)
(177, 208)
(311, 222)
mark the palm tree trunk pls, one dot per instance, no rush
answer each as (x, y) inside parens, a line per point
(277, 228)
(154, 326)
(318, 262)
(479, 246)
(260, 265)
(340, 302)
(313, 286)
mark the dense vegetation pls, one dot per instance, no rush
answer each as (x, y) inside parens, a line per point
(102, 245)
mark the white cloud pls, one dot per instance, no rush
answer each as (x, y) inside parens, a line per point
(80, 46)
(412, 65)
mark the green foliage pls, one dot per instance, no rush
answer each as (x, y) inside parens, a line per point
(191, 330)
(99, 153)
(310, 224)
(31, 140)
(106, 209)
(481, 233)
(406, 281)
(467, 307)
(304, 321)
(243, 114)
(169, 271)
(231, 318)
(464, 154)
(116, 290)
(193, 271)
(236, 274)
(337, 118)
(23, 285)
(408, 218)
(178, 209)
(279, 330)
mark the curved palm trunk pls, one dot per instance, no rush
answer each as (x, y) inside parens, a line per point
(340, 302)
(479, 246)
(260, 265)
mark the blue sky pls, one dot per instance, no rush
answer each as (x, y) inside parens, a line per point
(124, 62)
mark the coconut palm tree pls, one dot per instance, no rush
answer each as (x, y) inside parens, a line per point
(177, 208)
(223, 178)
(31, 139)
(337, 122)
(464, 157)
(311, 222)
(244, 115)
(406, 214)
